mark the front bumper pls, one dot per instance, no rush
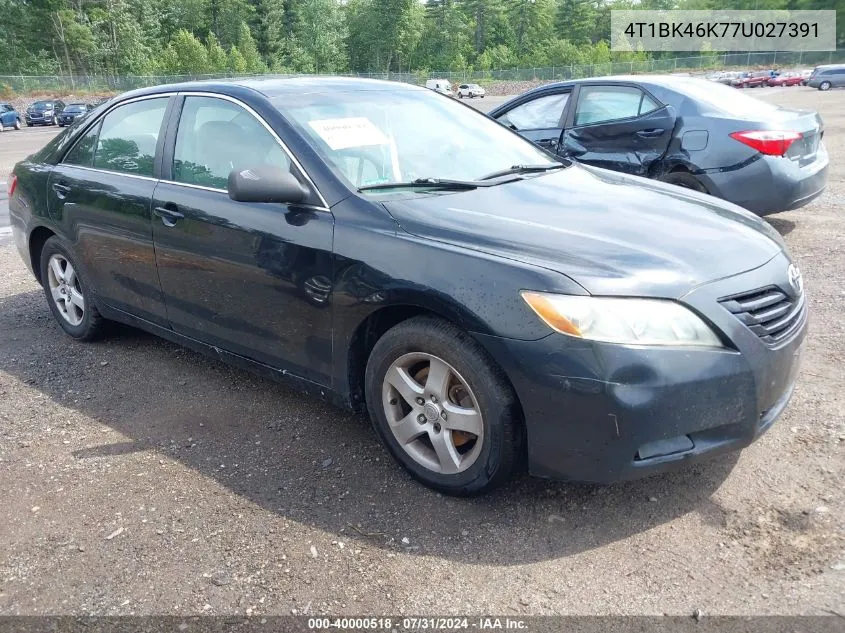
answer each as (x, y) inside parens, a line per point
(39, 119)
(771, 184)
(605, 413)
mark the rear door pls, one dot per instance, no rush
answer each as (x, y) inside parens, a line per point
(837, 77)
(251, 278)
(101, 194)
(540, 119)
(619, 127)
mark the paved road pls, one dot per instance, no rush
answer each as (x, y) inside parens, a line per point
(16, 145)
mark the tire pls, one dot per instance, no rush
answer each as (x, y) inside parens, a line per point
(684, 179)
(55, 121)
(476, 463)
(2, 127)
(460, 95)
(825, 85)
(17, 124)
(90, 324)
(28, 124)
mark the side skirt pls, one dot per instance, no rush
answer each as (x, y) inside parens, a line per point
(279, 375)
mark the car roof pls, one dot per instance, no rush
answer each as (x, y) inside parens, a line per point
(277, 86)
(671, 82)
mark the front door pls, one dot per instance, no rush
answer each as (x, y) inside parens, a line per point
(101, 193)
(618, 127)
(251, 278)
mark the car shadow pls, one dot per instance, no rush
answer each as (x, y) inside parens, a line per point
(781, 225)
(309, 462)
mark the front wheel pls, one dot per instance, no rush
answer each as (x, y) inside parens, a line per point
(17, 124)
(825, 85)
(445, 412)
(67, 292)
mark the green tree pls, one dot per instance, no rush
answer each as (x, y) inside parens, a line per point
(575, 21)
(218, 61)
(185, 55)
(237, 63)
(249, 51)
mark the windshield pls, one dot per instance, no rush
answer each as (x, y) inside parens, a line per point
(375, 137)
(43, 105)
(75, 107)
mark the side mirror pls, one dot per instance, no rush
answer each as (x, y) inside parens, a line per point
(265, 184)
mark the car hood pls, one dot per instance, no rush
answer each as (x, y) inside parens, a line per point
(611, 233)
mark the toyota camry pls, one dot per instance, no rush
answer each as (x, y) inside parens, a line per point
(490, 305)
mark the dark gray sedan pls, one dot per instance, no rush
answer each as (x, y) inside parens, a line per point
(682, 130)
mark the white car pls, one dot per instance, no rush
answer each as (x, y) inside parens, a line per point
(439, 85)
(470, 90)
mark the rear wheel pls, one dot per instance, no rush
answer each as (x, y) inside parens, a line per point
(55, 120)
(17, 124)
(68, 294)
(2, 127)
(442, 408)
(684, 179)
(825, 85)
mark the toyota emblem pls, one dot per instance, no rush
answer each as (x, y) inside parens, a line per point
(795, 279)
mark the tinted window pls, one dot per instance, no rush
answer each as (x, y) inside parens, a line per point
(541, 113)
(82, 153)
(128, 137)
(597, 104)
(42, 105)
(217, 136)
(75, 108)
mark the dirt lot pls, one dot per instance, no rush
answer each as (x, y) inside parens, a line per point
(138, 477)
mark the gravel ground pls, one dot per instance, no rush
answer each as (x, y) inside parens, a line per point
(141, 478)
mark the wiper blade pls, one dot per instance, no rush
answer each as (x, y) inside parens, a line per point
(434, 183)
(522, 169)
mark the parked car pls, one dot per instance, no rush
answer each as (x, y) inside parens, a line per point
(827, 77)
(71, 112)
(471, 91)
(484, 302)
(685, 131)
(757, 79)
(9, 117)
(724, 77)
(44, 112)
(440, 85)
(805, 76)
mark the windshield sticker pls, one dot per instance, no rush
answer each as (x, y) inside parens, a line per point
(346, 133)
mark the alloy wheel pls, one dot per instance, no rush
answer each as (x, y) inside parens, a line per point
(65, 289)
(432, 413)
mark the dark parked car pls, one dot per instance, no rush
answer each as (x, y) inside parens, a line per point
(689, 132)
(827, 77)
(71, 112)
(483, 301)
(9, 117)
(44, 112)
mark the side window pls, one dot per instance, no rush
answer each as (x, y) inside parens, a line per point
(82, 154)
(128, 137)
(216, 136)
(597, 104)
(539, 114)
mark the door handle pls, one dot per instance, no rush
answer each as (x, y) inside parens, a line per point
(652, 133)
(61, 190)
(169, 217)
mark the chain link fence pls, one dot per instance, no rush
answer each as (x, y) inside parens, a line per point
(86, 84)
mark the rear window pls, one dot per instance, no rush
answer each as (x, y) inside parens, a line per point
(713, 98)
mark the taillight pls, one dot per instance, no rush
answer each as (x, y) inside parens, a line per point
(13, 182)
(769, 142)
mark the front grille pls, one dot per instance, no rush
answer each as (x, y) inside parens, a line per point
(769, 312)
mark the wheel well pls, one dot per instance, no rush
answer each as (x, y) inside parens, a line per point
(364, 339)
(36, 244)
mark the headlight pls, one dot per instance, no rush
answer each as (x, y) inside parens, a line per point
(622, 320)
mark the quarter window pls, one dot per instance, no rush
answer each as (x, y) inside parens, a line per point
(216, 136)
(597, 104)
(542, 113)
(129, 135)
(82, 154)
